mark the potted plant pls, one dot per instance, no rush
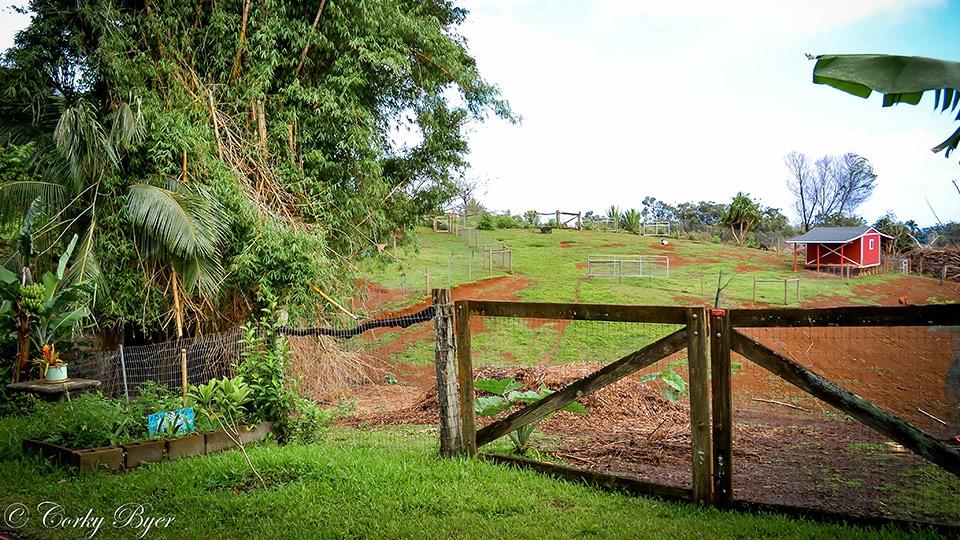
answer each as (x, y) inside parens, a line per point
(52, 368)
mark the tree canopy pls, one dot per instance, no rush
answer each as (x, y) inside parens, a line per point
(742, 216)
(312, 129)
(828, 191)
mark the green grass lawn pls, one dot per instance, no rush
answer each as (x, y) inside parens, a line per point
(553, 268)
(556, 264)
(385, 483)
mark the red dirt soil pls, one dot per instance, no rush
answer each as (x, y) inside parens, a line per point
(789, 448)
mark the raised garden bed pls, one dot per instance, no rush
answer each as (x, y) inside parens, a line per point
(128, 456)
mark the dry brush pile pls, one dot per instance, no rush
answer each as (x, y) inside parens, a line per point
(943, 263)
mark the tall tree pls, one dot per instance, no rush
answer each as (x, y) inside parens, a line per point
(831, 189)
(800, 185)
(284, 112)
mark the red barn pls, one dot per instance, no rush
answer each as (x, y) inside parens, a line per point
(853, 248)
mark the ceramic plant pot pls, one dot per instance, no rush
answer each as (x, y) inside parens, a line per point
(56, 374)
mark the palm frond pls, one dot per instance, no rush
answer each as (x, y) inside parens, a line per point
(85, 267)
(16, 197)
(82, 142)
(128, 127)
(183, 223)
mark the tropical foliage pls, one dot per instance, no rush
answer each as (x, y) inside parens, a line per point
(224, 153)
(901, 79)
(742, 216)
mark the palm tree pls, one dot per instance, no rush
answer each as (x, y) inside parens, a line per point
(185, 228)
(74, 153)
(902, 79)
(181, 226)
(742, 215)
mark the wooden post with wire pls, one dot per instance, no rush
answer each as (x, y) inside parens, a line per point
(451, 439)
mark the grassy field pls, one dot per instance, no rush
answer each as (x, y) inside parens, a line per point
(556, 264)
(553, 268)
(384, 483)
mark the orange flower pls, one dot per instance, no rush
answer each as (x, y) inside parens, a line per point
(46, 352)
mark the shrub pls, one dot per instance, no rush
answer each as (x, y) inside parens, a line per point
(485, 223)
(273, 394)
(90, 421)
(506, 221)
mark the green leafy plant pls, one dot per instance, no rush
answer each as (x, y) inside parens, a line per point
(674, 385)
(273, 394)
(89, 421)
(153, 398)
(507, 396)
(224, 402)
(224, 399)
(265, 351)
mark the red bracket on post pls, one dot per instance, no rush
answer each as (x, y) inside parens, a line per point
(717, 313)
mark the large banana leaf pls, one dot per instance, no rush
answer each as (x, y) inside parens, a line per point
(901, 79)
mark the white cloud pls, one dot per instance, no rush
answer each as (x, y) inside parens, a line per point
(11, 22)
(684, 102)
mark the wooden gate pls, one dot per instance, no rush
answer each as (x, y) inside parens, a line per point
(693, 337)
(710, 379)
(725, 337)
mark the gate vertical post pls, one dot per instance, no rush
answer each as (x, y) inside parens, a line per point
(451, 441)
(465, 377)
(702, 460)
(720, 331)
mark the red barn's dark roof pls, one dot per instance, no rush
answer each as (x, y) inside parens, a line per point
(833, 235)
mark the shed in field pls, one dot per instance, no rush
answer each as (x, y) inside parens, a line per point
(842, 248)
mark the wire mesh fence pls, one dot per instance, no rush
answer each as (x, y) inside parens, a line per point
(122, 371)
(911, 371)
(621, 266)
(633, 427)
(792, 448)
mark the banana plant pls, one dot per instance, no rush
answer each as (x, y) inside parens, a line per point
(62, 305)
(901, 79)
(507, 396)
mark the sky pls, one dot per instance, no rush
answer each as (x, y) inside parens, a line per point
(695, 101)
(698, 100)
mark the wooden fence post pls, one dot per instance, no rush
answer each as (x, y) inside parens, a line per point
(720, 331)
(701, 448)
(465, 377)
(451, 441)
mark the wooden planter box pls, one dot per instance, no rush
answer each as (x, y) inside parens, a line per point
(218, 441)
(186, 446)
(116, 458)
(144, 452)
(107, 458)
